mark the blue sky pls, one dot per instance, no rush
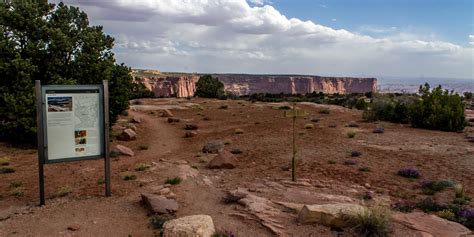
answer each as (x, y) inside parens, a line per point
(370, 38)
(449, 20)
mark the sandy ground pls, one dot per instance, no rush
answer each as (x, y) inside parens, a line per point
(266, 146)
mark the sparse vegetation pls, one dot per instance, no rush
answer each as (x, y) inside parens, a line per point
(332, 162)
(223, 234)
(173, 181)
(351, 134)
(18, 192)
(371, 222)
(446, 214)
(356, 153)
(236, 151)
(63, 191)
(15, 184)
(406, 206)
(143, 147)
(128, 177)
(309, 126)
(141, 167)
(410, 172)
(223, 107)
(4, 161)
(238, 131)
(7, 170)
(100, 181)
(364, 169)
(324, 111)
(229, 198)
(209, 87)
(284, 107)
(432, 187)
(157, 221)
(350, 162)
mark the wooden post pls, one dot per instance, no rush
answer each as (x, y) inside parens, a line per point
(293, 160)
(105, 85)
(40, 139)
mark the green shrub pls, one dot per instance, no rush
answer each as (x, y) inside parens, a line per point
(238, 131)
(4, 161)
(173, 181)
(100, 181)
(351, 134)
(446, 214)
(15, 184)
(55, 45)
(364, 169)
(370, 222)
(324, 111)
(209, 87)
(223, 107)
(438, 109)
(284, 107)
(309, 126)
(143, 147)
(63, 191)
(389, 109)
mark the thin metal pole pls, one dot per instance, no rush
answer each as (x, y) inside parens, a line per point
(40, 139)
(293, 160)
(105, 85)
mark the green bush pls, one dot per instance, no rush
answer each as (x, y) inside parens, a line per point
(56, 45)
(370, 222)
(173, 181)
(438, 109)
(389, 109)
(209, 87)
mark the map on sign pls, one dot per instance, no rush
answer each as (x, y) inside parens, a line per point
(73, 123)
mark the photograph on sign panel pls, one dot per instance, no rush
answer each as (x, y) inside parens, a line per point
(60, 104)
(80, 149)
(80, 136)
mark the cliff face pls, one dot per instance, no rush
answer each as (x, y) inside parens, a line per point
(239, 84)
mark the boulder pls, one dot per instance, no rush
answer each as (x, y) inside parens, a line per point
(189, 134)
(431, 225)
(127, 135)
(353, 124)
(214, 146)
(331, 215)
(223, 160)
(195, 226)
(158, 204)
(135, 120)
(191, 126)
(122, 150)
(166, 113)
(173, 120)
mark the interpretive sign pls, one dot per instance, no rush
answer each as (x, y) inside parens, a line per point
(72, 125)
(74, 122)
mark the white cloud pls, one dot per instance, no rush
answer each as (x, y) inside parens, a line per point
(471, 38)
(235, 36)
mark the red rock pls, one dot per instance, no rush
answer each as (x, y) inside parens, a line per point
(430, 225)
(159, 204)
(223, 160)
(127, 135)
(135, 120)
(120, 149)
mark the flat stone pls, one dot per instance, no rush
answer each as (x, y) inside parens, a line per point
(166, 113)
(378, 130)
(127, 135)
(74, 227)
(224, 160)
(123, 150)
(195, 226)
(159, 204)
(331, 215)
(135, 120)
(431, 225)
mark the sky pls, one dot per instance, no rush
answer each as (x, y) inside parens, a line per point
(373, 38)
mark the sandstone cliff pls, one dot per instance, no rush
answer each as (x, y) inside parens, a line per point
(243, 84)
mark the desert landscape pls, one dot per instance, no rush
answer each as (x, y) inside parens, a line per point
(167, 144)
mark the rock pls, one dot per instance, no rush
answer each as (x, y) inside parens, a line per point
(189, 134)
(123, 150)
(356, 153)
(430, 225)
(332, 125)
(214, 146)
(236, 151)
(331, 215)
(132, 126)
(166, 113)
(159, 204)
(164, 191)
(171, 195)
(191, 126)
(224, 160)
(378, 130)
(314, 120)
(173, 120)
(470, 140)
(74, 227)
(136, 120)
(353, 124)
(195, 226)
(127, 135)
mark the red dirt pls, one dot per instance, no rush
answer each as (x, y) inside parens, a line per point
(266, 146)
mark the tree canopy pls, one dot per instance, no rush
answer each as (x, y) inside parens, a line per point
(209, 87)
(54, 44)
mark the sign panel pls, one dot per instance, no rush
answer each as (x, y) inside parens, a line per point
(73, 122)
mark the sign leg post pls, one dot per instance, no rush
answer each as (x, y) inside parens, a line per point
(40, 141)
(105, 84)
